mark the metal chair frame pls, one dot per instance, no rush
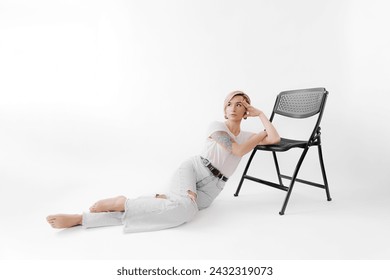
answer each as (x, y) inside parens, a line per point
(302, 103)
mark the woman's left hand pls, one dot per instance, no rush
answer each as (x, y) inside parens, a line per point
(251, 111)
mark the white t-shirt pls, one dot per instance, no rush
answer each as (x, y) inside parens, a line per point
(219, 156)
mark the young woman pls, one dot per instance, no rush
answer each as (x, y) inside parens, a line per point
(195, 184)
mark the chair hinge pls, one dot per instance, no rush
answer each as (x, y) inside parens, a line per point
(316, 140)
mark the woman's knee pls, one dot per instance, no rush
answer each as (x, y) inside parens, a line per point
(182, 207)
(193, 196)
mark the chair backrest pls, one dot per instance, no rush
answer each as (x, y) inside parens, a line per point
(302, 103)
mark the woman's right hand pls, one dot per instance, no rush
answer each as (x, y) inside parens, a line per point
(251, 111)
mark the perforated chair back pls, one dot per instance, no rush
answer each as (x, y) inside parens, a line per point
(302, 103)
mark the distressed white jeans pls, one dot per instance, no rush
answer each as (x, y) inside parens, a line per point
(149, 213)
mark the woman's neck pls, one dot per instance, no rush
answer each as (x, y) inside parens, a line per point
(234, 126)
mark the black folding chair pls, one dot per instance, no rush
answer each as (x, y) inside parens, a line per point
(296, 104)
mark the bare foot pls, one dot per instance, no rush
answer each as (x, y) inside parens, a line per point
(114, 204)
(64, 220)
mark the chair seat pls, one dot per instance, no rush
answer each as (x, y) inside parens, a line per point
(284, 145)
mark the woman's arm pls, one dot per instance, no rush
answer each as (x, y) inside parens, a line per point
(271, 135)
(244, 148)
(224, 139)
(267, 137)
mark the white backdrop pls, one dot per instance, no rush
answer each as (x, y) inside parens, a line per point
(99, 98)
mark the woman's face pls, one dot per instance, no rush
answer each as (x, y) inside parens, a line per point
(235, 109)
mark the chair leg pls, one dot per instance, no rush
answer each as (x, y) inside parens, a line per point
(277, 168)
(293, 180)
(245, 171)
(324, 173)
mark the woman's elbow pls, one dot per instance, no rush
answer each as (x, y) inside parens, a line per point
(276, 140)
(272, 140)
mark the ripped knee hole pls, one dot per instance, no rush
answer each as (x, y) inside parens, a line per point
(192, 195)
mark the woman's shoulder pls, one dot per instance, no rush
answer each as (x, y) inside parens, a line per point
(217, 125)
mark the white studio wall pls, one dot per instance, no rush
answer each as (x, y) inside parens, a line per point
(94, 95)
(83, 81)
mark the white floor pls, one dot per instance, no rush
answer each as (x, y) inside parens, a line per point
(355, 225)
